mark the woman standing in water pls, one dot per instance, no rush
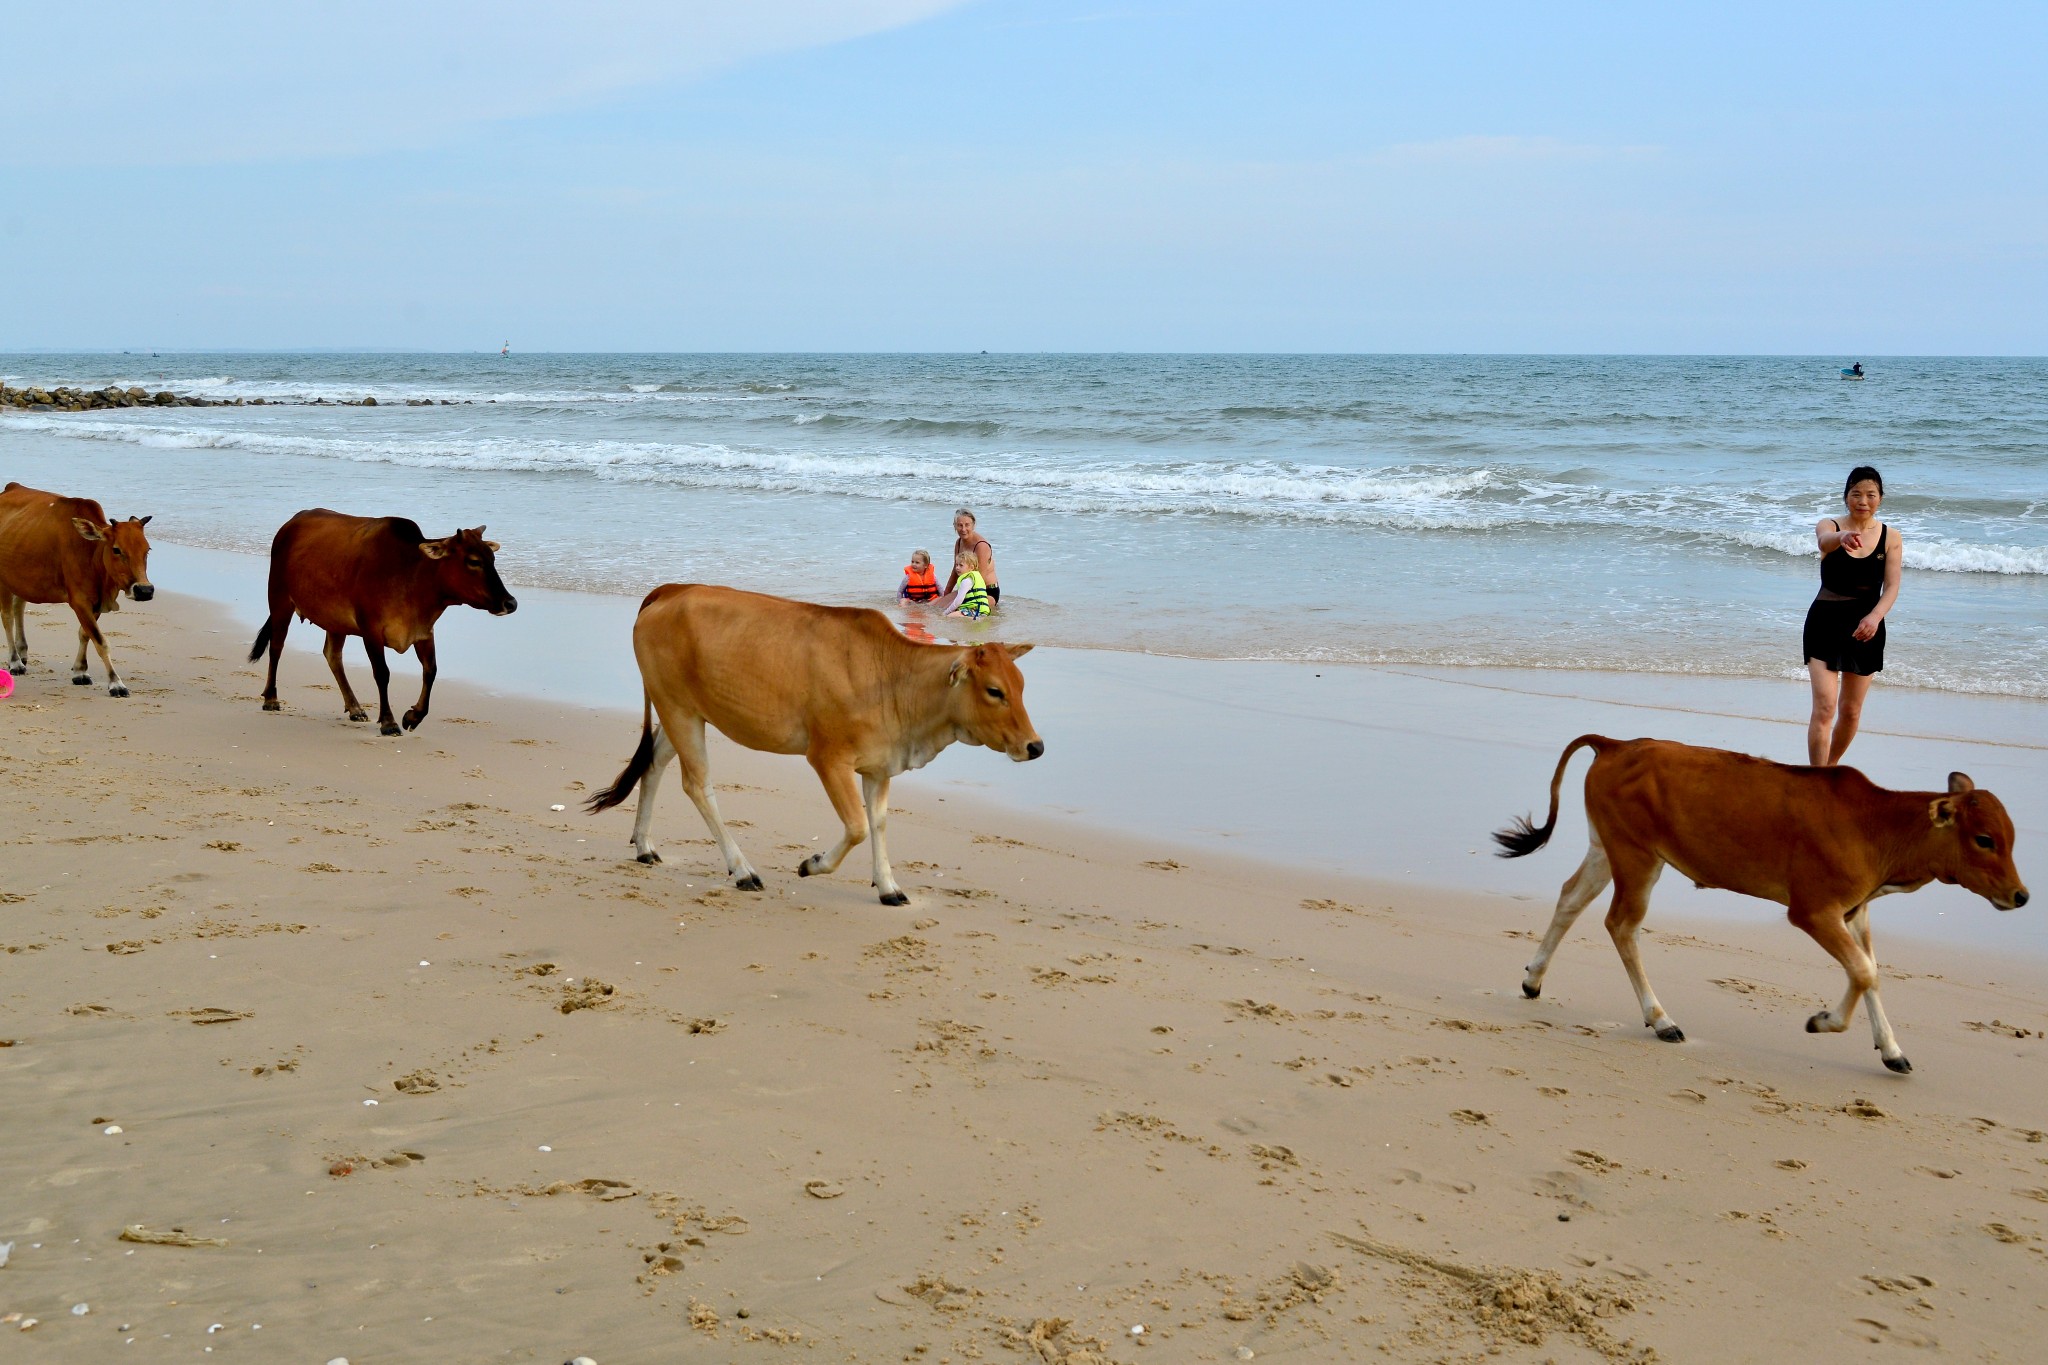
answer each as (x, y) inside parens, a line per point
(968, 541)
(1860, 562)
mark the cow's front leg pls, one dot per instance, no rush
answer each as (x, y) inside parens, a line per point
(332, 650)
(89, 633)
(423, 650)
(874, 793)
(1847, 938)
(841, 785)
(380, 669)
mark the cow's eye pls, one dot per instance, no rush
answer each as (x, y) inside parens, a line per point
(1985, 841)
(995, 694)
(476, 564)
(116, 549)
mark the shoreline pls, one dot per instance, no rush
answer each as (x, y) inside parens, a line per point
(1272, 759)
(469, 1082)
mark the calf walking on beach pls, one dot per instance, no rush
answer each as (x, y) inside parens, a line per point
(839, 685)
(1822, 842)
(379, 578)
(59, 549)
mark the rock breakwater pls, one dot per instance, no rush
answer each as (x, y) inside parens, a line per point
(64, 398)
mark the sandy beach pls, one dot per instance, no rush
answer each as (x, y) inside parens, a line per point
(424, 1069)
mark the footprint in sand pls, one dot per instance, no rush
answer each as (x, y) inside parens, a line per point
(1880, 1333)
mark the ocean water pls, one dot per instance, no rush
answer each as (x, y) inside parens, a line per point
(1613, 513)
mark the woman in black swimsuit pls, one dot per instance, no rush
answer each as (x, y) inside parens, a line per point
(1860, 562)
(966, 538)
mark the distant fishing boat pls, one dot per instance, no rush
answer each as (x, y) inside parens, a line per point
(1855, 372)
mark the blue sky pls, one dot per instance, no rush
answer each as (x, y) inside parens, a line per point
(926, 175)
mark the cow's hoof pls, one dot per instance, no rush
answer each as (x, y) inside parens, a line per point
(895, 898)
(272, 704)
(650, 857)
(359, 715)
(82, 680)
(412, 720)
(17, 669)
(1813, 1021)
(389, 727)
(1531, 991)
(1671, 1033)
(808, 867)
(1900, 1065)
(750, 882)
(118, 690)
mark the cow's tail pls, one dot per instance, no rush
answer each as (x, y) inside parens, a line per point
(1524, 836)
(636, 766)
(262, 643)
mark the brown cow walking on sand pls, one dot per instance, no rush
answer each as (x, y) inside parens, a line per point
(1822, 842)
(379, 578)
(59, 549)
(838, 685)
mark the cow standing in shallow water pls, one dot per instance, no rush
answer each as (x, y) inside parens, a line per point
(379, 578)
(59, 549)
(838, 685)
(1822, 842)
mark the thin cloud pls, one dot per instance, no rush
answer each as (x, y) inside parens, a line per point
(1479, 149)
(238, 80)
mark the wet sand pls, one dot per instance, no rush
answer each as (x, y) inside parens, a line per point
(452, 1077)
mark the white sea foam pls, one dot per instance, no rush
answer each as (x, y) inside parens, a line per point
(1404, 497)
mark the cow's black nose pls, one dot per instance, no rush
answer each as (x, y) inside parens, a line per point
(143, 592)
(1034, 748)
(511, 605)
(2019, 898)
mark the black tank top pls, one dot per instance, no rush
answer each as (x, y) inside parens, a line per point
(1845, 575)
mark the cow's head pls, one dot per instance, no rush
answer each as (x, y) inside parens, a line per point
(123, 552)
(469, 571)
(1982, 830)
(986, 697)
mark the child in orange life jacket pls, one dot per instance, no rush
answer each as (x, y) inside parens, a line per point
(970, 593)
(920, 580)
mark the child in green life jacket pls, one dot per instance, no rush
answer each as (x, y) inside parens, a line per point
(970, 594)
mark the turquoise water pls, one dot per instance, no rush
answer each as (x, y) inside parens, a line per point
(1614, 513)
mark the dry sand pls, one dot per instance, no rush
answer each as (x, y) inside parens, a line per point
(449, 1077)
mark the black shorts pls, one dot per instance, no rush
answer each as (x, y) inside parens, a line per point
(995, 594)
(1830, 637)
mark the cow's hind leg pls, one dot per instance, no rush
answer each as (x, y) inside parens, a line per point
(874, 793)
(839, 778)
(686, 742)
(1589, 881)
(335, 640)
(11, 608)
(650, 782)
(273, 639)
(1847, 940)
(1635, 873)
(380, 669)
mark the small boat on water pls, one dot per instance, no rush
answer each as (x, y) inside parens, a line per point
(1854, 373)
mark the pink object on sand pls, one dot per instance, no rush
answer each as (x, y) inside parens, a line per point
(6, 682)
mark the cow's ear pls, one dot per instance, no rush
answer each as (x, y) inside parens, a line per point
(144, 521)
(491, 545)
(87, 529)
(959, 667)
(1941, 812)
(1019, 651)
(434, 549)
(1958, 783)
